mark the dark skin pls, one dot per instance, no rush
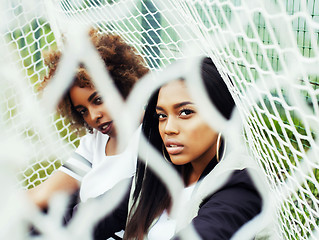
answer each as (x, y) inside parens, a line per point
(186, 136)
(89, 104)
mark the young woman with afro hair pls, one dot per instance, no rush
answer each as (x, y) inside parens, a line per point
(83, 106)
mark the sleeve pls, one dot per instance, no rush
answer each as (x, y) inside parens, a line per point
(221, 215)
(80, 162)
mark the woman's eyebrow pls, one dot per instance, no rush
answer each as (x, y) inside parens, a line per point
(92, 96)
(178, 105)
(78, 106)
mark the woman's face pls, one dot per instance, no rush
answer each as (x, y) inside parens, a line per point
(89, 105)
(186, 136)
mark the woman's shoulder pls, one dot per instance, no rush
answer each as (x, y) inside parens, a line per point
(240, 178)
(91, 141)
(224, 212)
(239, 186)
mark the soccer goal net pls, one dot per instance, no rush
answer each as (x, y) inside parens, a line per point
(268, 48)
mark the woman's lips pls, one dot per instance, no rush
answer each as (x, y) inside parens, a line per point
(173, 147)
(173, 150)
(105, 128)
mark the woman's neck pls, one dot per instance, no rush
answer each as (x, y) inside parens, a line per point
(196, 172)
(199, 165)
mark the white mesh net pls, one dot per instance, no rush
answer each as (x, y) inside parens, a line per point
(268, 48)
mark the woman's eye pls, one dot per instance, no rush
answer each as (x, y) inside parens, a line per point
(98, 100)
(186, 112)
(160, 116)
(82, 112)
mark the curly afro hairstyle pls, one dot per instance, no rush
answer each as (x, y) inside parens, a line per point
(121, 60)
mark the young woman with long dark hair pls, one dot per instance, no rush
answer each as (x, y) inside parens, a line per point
(173, 126)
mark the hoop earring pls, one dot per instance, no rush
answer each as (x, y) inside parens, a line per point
(218, 146)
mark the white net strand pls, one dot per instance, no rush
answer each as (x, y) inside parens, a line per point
(96, 68)
(63, 77)
(56, 88)
(25, 122)
(148, 85)
(51, 11)
(144, 29)
(301, 170)
(276, 154)
(94, 12)
(268, 48)
(285, 172)
(12, 208)
(273, 144)
(91, 211)
(14, 150)
(20, 48)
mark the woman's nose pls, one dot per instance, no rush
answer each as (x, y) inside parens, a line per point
(96, 115)
(171, 126)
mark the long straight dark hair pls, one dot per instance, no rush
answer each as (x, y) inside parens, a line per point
(151, 197)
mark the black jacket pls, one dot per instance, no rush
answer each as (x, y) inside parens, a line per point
(219, 217)
(224, 212)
